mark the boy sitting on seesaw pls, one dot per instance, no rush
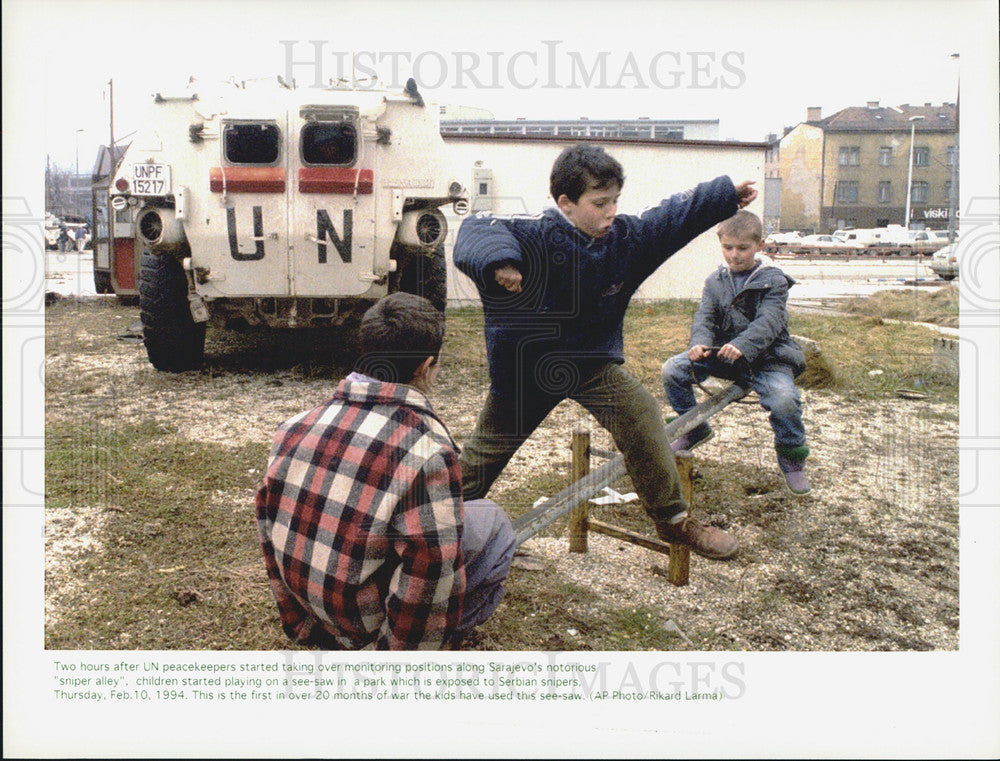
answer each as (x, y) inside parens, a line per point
(740, 333)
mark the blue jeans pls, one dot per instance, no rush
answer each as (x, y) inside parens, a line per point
(775, 387)
(487, 549)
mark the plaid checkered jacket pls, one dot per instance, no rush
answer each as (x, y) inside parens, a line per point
(360, 519)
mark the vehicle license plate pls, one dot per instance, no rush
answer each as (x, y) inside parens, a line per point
(150, 179)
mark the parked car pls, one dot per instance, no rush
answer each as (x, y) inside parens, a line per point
(825, 242)
(778, 239)
(944, 262)
(866, 237)
(52, 230)
(928, 241)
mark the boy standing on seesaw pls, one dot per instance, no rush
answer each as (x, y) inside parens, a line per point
(555, 287)
(740, 332)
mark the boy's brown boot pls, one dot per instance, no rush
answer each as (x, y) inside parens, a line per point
(709, 541)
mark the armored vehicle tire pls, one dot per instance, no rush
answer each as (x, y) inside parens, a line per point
(102, 282)
(174, 341)
(426, 275)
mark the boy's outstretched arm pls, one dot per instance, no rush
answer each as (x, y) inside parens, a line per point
(667, 227)
(746, 192)
(487, 251)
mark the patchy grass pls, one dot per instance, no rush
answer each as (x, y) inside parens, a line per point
(175, 520)
(150, 478)
(939, 307)
(872, 359)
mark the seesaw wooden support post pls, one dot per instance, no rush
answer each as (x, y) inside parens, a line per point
(580, 467)
(590, 482)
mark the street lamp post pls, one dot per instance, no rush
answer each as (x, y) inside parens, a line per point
(909, 176)
(74, 186)
(78, 149)
(953, 195)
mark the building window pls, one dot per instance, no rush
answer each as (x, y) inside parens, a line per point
(885, 156)
(950, 160)
(669, 133)
(885, 192)
(921, 156)
(918, 194)
(947, 191)
(847, 192)
(253, 143)
(849, 156)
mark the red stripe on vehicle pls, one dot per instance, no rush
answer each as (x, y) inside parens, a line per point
(247, 179)
(338, 179)
(124, 264)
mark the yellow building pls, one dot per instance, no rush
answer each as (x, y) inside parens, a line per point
(850, 169)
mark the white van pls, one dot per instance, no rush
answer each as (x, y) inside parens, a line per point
(862, 236)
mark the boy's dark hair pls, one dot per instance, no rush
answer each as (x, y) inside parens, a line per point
(397, 333)
(582, 166)
(743, 224)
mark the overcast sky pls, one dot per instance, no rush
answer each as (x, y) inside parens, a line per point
(755, 66)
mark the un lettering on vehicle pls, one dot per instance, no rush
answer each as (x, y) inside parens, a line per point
(326, 250)
(327, 235)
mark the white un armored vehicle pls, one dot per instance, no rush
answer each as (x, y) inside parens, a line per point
(263, 204)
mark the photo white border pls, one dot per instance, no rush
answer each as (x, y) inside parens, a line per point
(864, 704)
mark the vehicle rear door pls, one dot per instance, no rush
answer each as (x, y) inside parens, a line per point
(331, 243)
(248, 208)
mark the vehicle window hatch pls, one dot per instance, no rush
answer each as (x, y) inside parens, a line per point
(251, 143)
(328, 144)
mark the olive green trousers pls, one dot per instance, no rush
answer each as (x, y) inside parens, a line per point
(620, 403)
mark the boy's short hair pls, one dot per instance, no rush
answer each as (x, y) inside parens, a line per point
(582, 166)
(397, 333)
(743, 224)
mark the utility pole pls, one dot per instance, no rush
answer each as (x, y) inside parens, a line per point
(111, 109)
(953, 195)
(909, 176)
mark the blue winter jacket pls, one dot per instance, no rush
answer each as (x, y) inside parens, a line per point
(567, 320)
(753, 319)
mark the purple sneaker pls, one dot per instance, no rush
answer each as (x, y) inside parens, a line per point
(693, 438)
(794, 475)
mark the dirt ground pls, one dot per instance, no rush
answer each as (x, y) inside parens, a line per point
(867, 561)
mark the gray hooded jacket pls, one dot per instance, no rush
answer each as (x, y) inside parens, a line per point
(753, 319)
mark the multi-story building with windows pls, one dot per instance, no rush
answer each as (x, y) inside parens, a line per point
(850, 169)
